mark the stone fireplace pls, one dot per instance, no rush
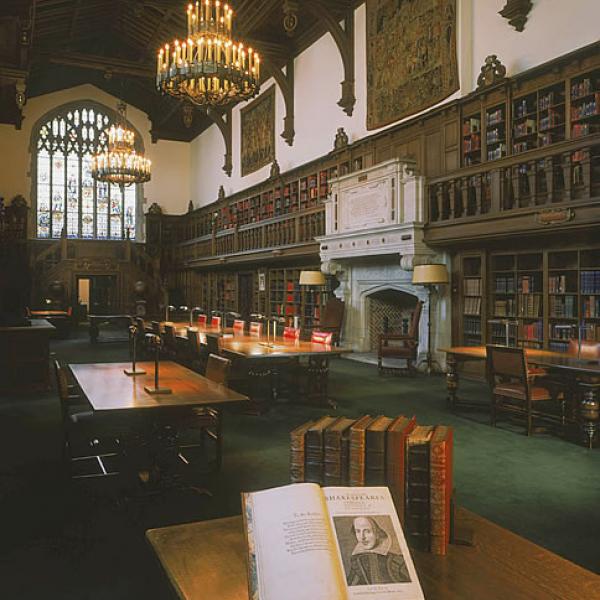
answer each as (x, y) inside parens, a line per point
(374, 237)
(388, 310)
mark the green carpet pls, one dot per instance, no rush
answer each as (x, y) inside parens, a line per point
(80, 543)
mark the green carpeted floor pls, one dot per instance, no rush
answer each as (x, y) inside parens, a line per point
(65, 541)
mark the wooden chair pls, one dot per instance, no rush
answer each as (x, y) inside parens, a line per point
(202, 320)
(239, 326)
(513, 390)
(170, 341)
(215, 322)
(400, 345)
(213, 344)
(255, 329)
(206, 419)
(321, 337)
(197, 353)
(332, 318)
(81, 432)
(291, 333)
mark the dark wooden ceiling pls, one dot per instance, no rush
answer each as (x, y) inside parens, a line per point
(112, 44)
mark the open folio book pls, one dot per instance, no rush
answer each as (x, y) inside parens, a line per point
(334, 543)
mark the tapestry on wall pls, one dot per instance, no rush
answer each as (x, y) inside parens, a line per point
(411, 57)
(258, 132)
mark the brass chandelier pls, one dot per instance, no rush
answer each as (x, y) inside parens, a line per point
(208, 68)
(120, 164)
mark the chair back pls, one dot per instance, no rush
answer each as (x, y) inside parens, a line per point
(413, 328)
(62, 385)
(291, 333)
(193, 342)
(321, 337)
(588, 350)
(215, 322)
(141, 325)
(255, 328)
(333, 314)
(213, 343)
(217, 369)
(506, 364)
(202, 319)
(170, 336)
(155, 327)
(238, 326)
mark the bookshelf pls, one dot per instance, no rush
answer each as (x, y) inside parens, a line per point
(540, 299)
(472, 300)
(551, 115)
(585, 104)
(524, 123)
(495, 135)
(471, 139)
(287, 298)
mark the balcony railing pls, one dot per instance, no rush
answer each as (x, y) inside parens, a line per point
(279, 232)
(546, 177)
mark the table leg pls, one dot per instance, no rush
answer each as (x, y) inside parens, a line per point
(451, 380)
(589, 411)
(94, 331)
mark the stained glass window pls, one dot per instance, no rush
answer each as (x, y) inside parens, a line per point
(67, 197)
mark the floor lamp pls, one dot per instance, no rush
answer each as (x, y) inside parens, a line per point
(430, 276)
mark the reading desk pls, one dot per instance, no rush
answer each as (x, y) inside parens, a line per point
(207, 560)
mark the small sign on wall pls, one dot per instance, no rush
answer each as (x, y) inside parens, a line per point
(261, 282)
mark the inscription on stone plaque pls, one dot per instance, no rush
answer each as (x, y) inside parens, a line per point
(365, 207)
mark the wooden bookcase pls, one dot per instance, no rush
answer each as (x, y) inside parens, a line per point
(495, 133)
(287, 298)
(471, 139)
(541, 299)
(585, 104)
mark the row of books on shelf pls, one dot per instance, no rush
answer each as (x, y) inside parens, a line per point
(587, 108)
(529, 284)
(472, 287)
(472, 305)
(590, 307)
(498, 331)
(532, 331)
(414, 461)
(563, 306)
(552, 119)
(472, 326)
(472, 143)
(471, 125)
(525, 128)
(529, 305)
(590, 282)
(497, 153)
(563, 331)
(557, 284)
(582, 88)
(505, 308)
(550, 99)
(505, 284)
(581, 129)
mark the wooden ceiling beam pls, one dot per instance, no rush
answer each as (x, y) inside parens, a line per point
(99, 63)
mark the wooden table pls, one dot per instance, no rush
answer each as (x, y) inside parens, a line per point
(24, 356)
(207, 560)
(564, 364)
(108, 389)
(60, 319)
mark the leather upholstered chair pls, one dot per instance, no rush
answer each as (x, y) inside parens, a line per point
(514, 390)
(332, 318)
(401, 345)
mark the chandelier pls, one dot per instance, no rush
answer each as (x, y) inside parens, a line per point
(120, 164)
(208, 68)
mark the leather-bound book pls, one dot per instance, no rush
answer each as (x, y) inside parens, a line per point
(397, 433)
(417, 506)
(357, 450)
(375, 451)
(440, 490)
(336, 439)
(313, 450)
(297, 447)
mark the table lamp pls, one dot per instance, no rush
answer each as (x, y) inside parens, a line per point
(155, 341)
(430, 276)
(133, 333)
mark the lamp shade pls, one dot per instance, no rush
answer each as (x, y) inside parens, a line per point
(430, 274)
(312, 278)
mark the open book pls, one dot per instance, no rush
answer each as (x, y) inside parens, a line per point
(334, 543)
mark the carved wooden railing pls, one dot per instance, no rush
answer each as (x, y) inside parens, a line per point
(552, 177)
(278, 232)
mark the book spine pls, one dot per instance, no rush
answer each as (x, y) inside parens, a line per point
(313, 472)
(357, 457)
(345, 460)
(375, 458)
(395, 466)
(417, 509)
(332, 458)
(439, 493)
(297, 471)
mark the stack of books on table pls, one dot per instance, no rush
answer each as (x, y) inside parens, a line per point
(413, 461)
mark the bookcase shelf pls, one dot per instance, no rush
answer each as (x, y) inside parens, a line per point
(544, 299)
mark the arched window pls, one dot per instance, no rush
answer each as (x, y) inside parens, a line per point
(66, 195)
